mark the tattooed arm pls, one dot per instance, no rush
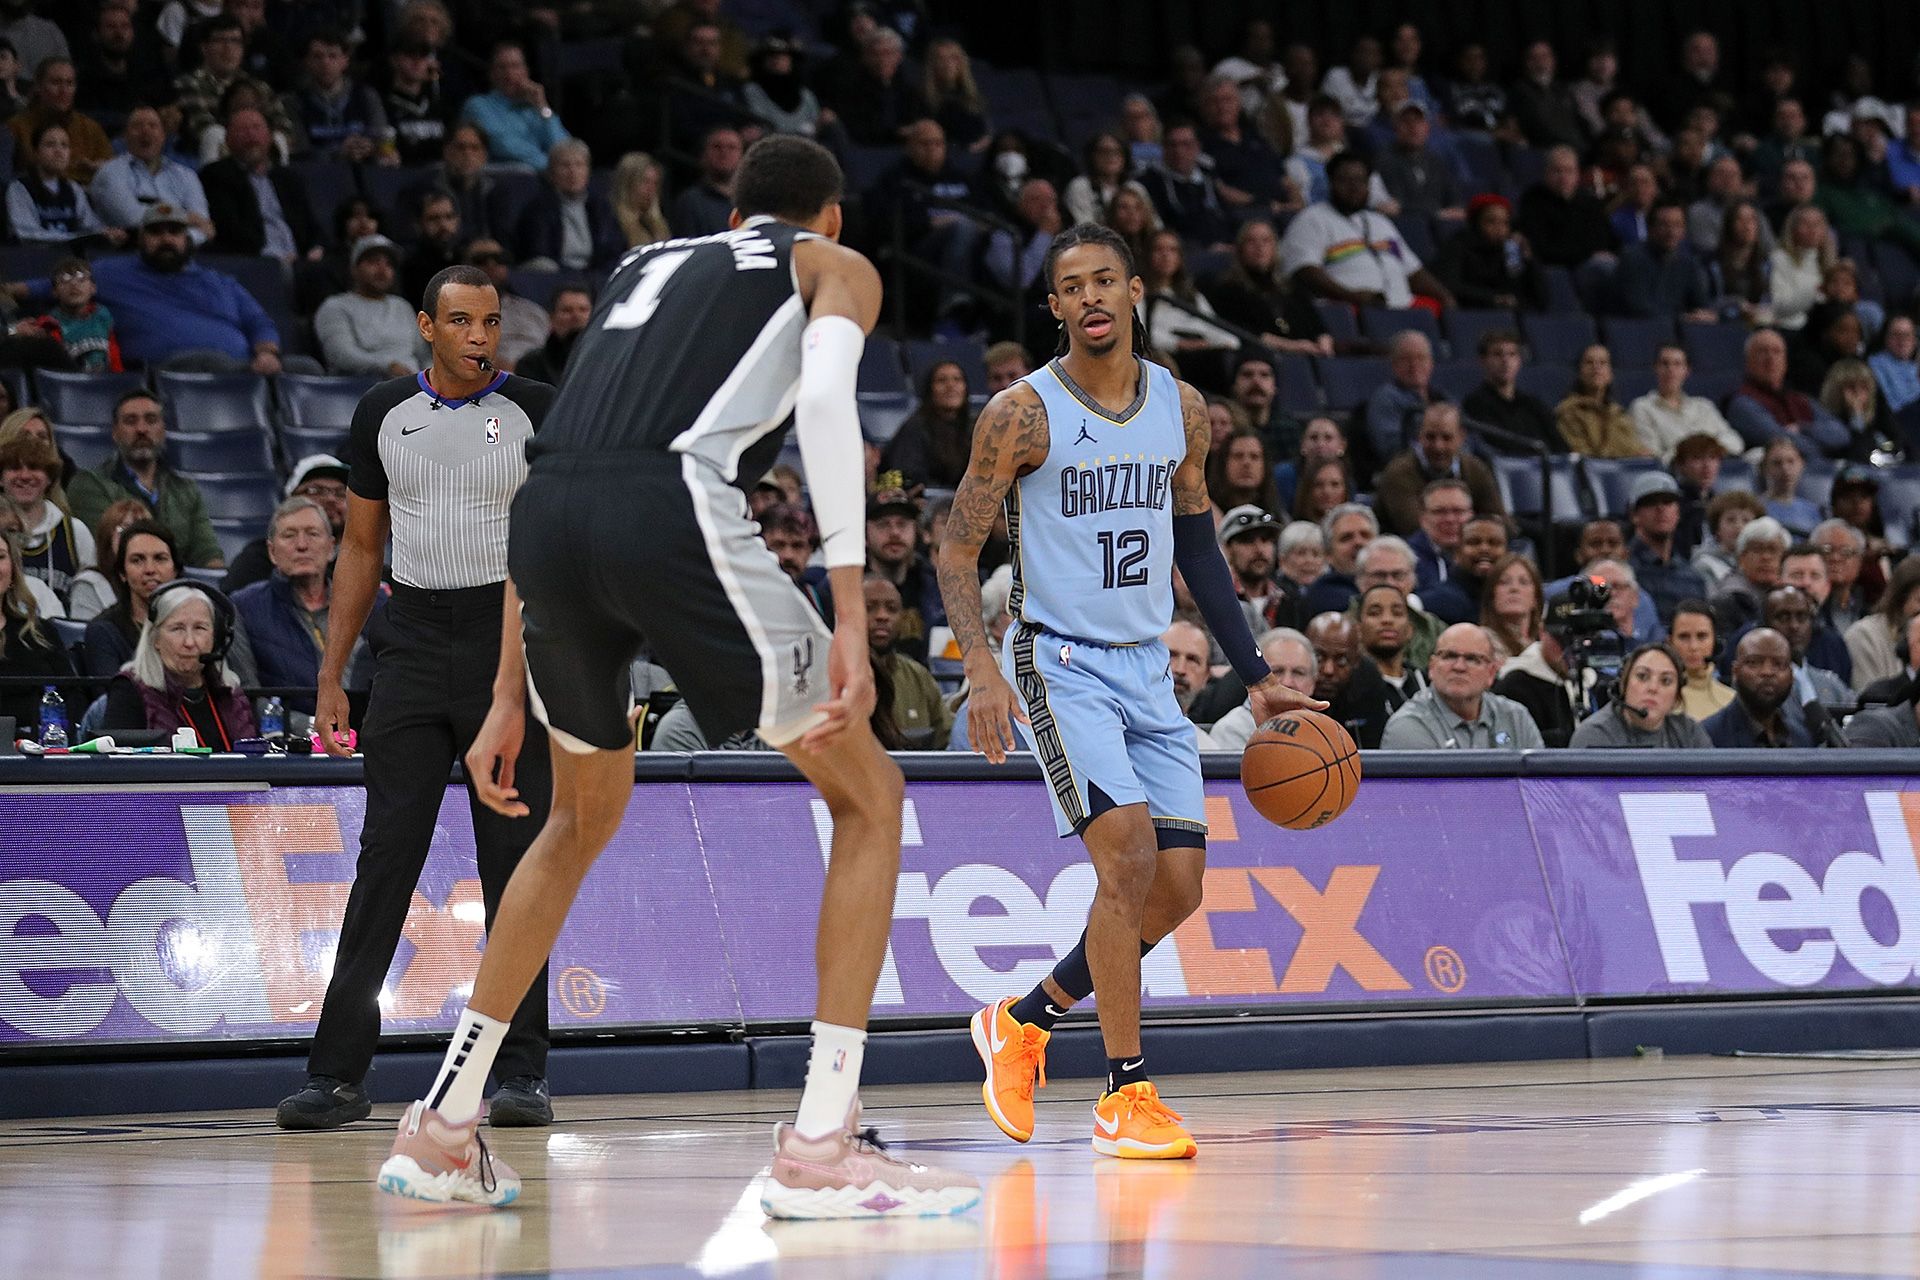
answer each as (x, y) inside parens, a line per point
(1009, 440)
(1197, 554)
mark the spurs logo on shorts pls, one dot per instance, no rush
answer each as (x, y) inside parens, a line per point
(802, 663)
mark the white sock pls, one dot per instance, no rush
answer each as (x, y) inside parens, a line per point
(463, 1076)
(833, 1079)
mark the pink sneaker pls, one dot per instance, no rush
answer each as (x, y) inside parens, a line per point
(850, 1175)
(435, 1159)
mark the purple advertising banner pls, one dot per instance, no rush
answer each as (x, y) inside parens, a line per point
(1690, 885)
(208, 914)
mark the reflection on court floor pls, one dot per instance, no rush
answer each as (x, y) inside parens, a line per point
(1683, 1169)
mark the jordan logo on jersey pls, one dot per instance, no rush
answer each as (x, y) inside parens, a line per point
(1084, 434)
(802, 664)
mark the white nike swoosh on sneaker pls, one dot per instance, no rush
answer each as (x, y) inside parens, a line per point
(995, 1041)
(1100, 1123)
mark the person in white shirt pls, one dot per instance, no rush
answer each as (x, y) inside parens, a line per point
(1344, 251)
(1356, 85)
(144, 175)
(1291, 657)
(1665, 416)
(1798, 266)
(369, 330)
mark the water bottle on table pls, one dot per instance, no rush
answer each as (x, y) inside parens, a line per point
(53, 720)
(273, 724)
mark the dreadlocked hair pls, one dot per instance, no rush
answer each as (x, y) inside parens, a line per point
(1094, 233)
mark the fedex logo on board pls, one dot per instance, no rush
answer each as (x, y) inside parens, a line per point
(1789, 925)
(1197, 961)
(186, 955)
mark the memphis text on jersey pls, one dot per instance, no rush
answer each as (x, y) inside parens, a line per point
(1119, 484)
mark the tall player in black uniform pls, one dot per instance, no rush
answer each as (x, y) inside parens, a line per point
(698, 354)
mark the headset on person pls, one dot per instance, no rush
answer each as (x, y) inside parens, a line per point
(217, 603)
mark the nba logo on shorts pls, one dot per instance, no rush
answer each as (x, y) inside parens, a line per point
(493, 431)
(1066, 655)
(839, 1059)
(802, 663)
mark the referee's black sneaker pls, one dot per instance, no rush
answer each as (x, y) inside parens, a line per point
(523, 1102)
(325, 1103)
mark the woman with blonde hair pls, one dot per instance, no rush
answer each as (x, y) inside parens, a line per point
(1513, 605)
(1851, 393)
(32, 421)
(1799, 266)
(55, 545)
(954, 98)
(1132, 215)
(636, 199)
(27, 649)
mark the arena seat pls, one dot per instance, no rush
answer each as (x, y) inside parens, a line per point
(1611, 481)
(198, 453)
(329, 183)
(1900, 503)
(1548, 383)
(208, 402)
(1736, 473)
(1716, 384)
(1349, 380)
(1297, 386)
(1714, 346)
(1816, 482)
(922, 354)
(881, 413)
(1379, 325)
(1337, 318)
(234, 535)
(1519, 482)
(1635, 340)
(88, 446)
(1558, 337)
(1562, 294)
(246, 495)
(1458, 377)
(1630, 382)
(880, 368)
(83, 399)
(322, 403)
(1899, 273)
(1465, 326)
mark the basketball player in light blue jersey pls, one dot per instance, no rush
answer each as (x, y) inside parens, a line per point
(1100, 459)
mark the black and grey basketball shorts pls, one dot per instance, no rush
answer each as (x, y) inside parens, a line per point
(615, 552)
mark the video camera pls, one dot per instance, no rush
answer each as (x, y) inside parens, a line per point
(1590, 641)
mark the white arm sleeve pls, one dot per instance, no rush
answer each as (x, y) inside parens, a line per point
(828, 429)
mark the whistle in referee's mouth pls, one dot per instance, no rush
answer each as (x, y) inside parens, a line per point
(486, 365)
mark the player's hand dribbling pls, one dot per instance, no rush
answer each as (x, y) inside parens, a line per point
(992, 708)
(330, 719)
(489, 761)
(850, 677)
(1269, 698)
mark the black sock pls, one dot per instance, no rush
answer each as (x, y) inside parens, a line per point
(1125, 1071)
(1072, 976)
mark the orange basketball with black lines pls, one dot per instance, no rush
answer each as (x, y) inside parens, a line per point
(1301, 770)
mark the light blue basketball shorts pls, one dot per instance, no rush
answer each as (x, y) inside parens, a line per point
(1108, 731)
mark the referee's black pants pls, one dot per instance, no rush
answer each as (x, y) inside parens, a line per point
(437, 654)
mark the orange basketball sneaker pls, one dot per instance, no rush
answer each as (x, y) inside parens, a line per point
(1015, 1054)
(1133, 1124)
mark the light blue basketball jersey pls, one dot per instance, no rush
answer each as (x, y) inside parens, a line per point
(1092, 529)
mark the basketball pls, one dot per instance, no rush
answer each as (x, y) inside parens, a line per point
(1301, 770)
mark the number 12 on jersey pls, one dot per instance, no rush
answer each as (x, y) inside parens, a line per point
(1121, 555)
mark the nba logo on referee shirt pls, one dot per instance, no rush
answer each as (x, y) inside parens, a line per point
(493, 431)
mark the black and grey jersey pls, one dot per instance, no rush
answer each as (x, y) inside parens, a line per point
(694, 348)
(448, 470)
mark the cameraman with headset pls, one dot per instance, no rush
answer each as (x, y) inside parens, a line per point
(179, 677)
(1570, 668)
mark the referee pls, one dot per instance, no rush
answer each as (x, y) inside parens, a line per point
(435, 460)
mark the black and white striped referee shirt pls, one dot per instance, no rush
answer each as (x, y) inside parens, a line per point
(448, 470)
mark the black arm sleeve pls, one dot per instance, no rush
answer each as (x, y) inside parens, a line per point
(366, 474)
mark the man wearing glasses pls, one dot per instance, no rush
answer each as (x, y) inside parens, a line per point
(1844, 548)
(319, 476)
(1459, 711)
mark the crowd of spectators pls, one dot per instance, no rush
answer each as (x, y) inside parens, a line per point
(1395, 272)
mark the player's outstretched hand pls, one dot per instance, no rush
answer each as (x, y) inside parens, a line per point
(330, 719)
(491, 758)
(991, 710)
(1269, 698)
(850, 676)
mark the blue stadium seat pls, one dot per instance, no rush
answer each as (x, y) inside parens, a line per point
(1630, 383)
(1816, 482)
(1519, 481)
(264, 278)
(922, 355)
(1378, 325)
(1562, 296)
(198, 453)
(881, 413)
(880, 368)
(311, 402)
(1899, 273)
(1548, 383)
(1416, 232)
(1481, 156)
(1337, 318)
(83, 399)
(512, 193)
(1714, 346)
(1900, 503)
(1458, 377)
(234, 535)
(1525, 165)
(87, 446)
(1016, 100)
(207, 402)
(1349, 380)
(1715, 384)
(17, 383)
(1558, 337)
(249, 496)
(302, 442)
(1634, 340)
(1298, 389)
(1611, 480)
(1737, 473)
(329, 183)
(1465, 326)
